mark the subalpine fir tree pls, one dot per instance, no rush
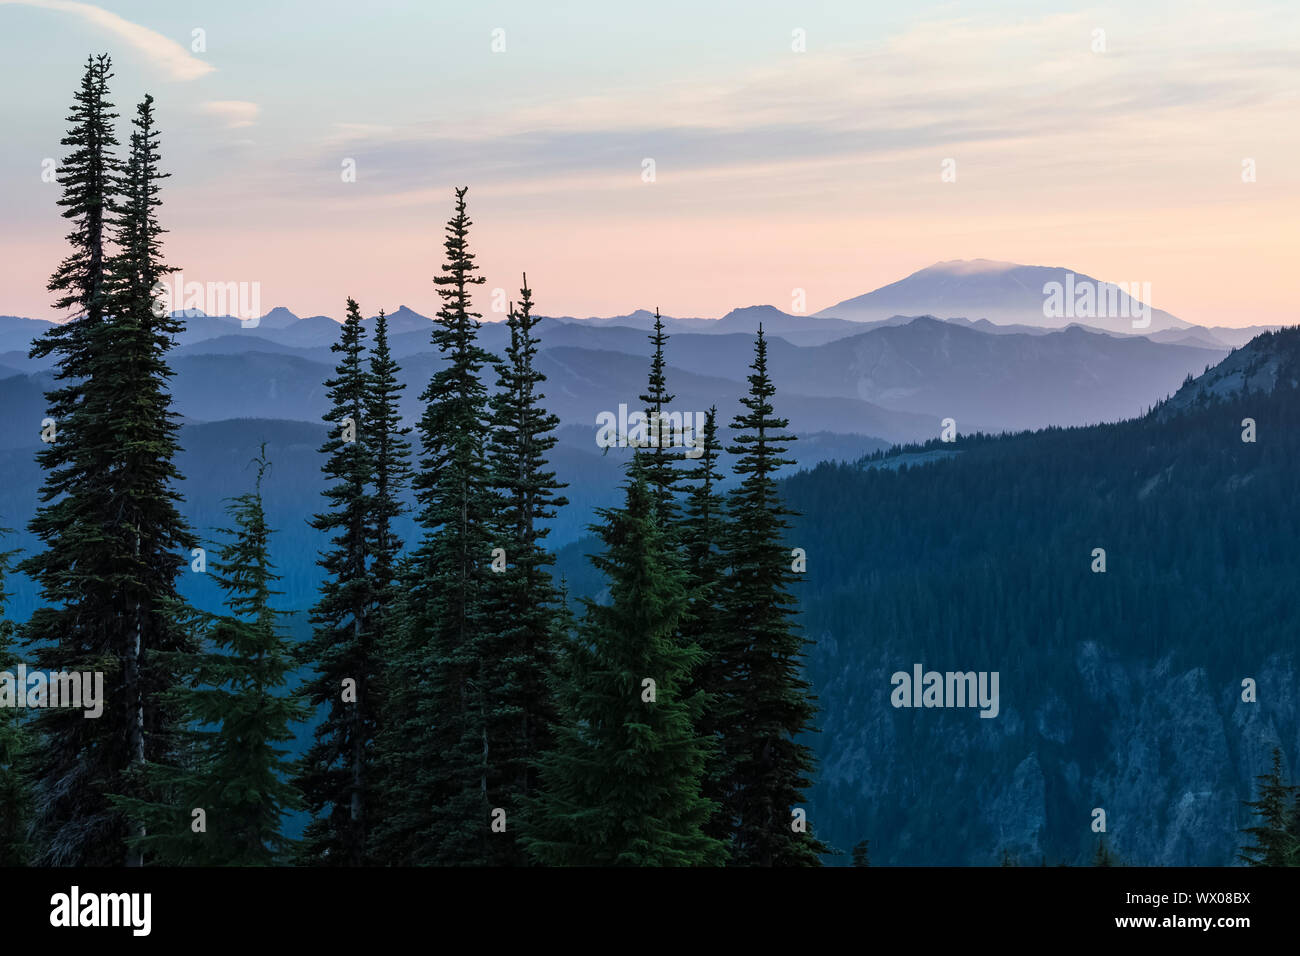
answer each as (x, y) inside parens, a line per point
(333, 777)
(391, 461)
(15, 749)
(435, 752)
(769, 705)
(396, 758)
(108, 519)
(702, 529)
(519, 665)
(141, 333)
(239, 713)
(244, 683)
(1102, 856)
(622, 785)
(660, 462)
(862, 853)
(1275, 843)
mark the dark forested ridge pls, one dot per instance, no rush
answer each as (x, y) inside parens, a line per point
(1119, 690)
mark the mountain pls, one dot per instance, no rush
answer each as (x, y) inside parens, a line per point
(277, 318)
(893, 380)
(582, 383)
(404, 319)
(641, 319)
(16, 333)
(1266, 363)
(1002, 381)
(1233, 337)
(1009, 381)
(1120, 690)
(797, 329)
(1005, 293)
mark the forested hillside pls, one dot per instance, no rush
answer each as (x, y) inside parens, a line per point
(1120, 689)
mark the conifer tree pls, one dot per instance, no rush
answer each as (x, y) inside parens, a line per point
(108, 519)
(438, 746)
(520, 663)
(333, 776)
(239, 713)
(769, 705)
(396, 760)
(862, 853)
(1102, 857)
(660, 461)
(245, 678)
(622, 786)
(15, 749)
(1275, 843)
(390, 453)
(702, 529)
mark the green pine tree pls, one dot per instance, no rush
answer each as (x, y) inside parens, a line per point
(437, 756)
(244, 682)
(1102, 857)
(342, 651)
(15, 750)
(391, 476)
(702, 528)
(660, 462)
(769, 703)
(518, 667)
(108, 519)
(862, 853)
(1274, 834)
(622, 786)
(239, 713)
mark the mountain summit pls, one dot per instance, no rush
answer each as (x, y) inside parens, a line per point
(1008, 293)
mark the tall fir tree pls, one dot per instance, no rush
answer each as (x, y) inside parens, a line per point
(862, 854)
(342, 651)
(437, 746)
(15, 748)
(1274, 832)
(239, 712)
(391, 453)
(246, 678)
(1102, 856)
(391, 475)
(519, 665)
(622, 785)
(396, 758)
(768, 705)
(702, 530)
(660, 462)
(108, 518)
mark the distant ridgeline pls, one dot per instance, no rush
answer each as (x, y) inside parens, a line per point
(1120, 690)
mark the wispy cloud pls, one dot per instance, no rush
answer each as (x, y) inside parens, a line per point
(166, 54)
(1036, 86)
(235, 113)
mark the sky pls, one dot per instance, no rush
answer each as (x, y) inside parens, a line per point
(796, 147)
